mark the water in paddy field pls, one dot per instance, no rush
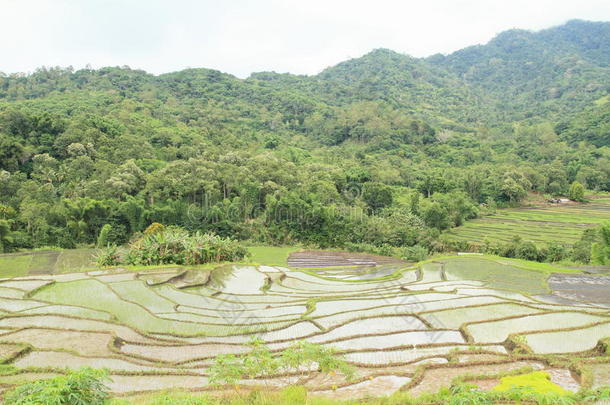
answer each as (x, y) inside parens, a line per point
(383, 314)
(46, 262)
(345, 265)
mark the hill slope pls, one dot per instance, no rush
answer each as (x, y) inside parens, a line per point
(555, 71)
(336, 159)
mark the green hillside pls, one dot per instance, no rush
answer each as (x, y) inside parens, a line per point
(378, 153)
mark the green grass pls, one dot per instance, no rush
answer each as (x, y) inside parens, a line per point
(602, 100)
(73, 260)
(14, 266)
(496, 275)
(538, 381)
(46, 262)
(534, 388)
(545, 268)
(270, 255)
(541, 225)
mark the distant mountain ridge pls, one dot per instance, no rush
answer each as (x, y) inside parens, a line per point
(518, 75)
(557, 70)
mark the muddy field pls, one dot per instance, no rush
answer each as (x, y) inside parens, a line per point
(581, 287)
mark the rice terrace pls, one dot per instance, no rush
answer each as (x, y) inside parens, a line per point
(542, 224)
(402, 327)
(211, 203)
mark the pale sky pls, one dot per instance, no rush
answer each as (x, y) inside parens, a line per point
(240, 36)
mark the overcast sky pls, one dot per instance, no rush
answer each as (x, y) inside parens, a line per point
(240, 36)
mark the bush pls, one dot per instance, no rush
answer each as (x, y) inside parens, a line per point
(581, 251)
(154, 228)
(102, 239)
(298, 360)
(554, 252)
(84, 386)
(414, 253)
(108, 256)
(600, 251)
(527, 250)
(577, 192)
(173, 245)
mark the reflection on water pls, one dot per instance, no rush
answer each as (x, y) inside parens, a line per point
(496, 275)
(359, 273)
(345, 265)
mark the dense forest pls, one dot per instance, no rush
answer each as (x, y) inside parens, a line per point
(378, 153)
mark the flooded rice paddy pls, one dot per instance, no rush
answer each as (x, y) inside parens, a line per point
(402, 327)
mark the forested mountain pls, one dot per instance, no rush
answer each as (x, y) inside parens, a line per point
(378, 152)
(555, 71)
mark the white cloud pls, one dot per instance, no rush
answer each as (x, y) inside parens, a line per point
(241, 36)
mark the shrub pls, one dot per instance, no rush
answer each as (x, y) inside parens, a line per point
(600, 394)
(581, 251)
(272, 141)
(600, 251)
(554, 252)
(102, 239)
(154, 228)
(173, 245)
(84, 386)
(108, 256)
(577, 192)
(5, 235)
(527, 250)
(414, 253)
(300, 358)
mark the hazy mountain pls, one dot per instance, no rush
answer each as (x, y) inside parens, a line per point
(557, 70)
(550, 74)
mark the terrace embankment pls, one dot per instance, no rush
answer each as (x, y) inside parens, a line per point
(411, 328)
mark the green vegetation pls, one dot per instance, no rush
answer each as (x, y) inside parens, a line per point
(15, 266)
(458, 319)
(544, 233)
(46, 261)
(102, 239)
(173, 245)
(577, 192)
(458, 394)
(538, 381)
(270, 255)
(5, 235)
(379, 153)
(86, 386)
(496, 275)
(299, 358)
(385, 154)
(601, 249)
